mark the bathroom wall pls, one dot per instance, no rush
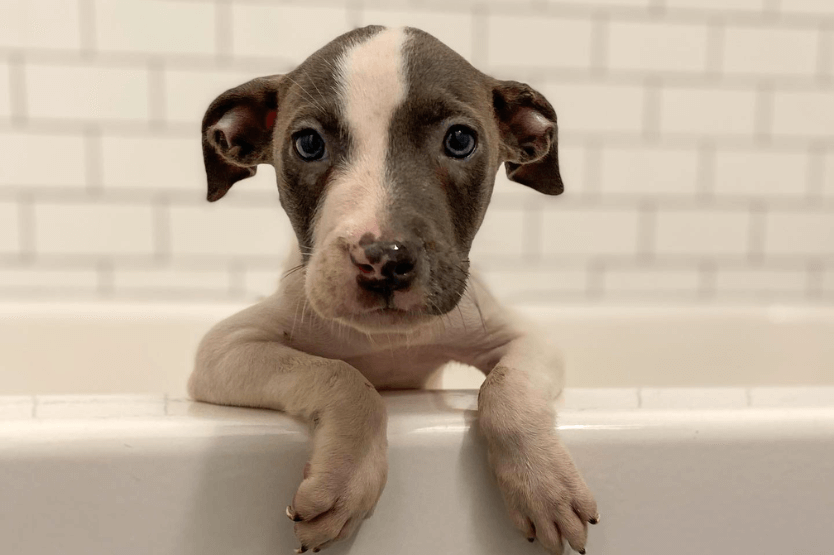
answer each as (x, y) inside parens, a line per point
(697, 145)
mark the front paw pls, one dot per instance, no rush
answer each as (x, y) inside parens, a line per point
(546, 496)
(340, 489)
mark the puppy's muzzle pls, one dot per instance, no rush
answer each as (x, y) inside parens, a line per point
(385, 266)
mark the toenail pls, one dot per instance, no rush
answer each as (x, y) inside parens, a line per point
(594, 520)
(531, 540)
(302, 549)
(582, 551)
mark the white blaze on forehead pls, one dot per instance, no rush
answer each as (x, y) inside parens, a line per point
(372, 86)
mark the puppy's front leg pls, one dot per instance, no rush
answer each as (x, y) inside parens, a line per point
(544, 493)
(241, 362)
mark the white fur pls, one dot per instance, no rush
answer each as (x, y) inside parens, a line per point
(372, 87)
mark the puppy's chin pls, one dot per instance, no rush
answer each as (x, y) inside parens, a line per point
(334, 294)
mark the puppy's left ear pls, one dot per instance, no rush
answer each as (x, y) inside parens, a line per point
(527, 123)
(237, 133)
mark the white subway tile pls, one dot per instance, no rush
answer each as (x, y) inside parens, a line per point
(596, 107)
(816, 396)
(657, 46)
(704, 111)
(501, 234)
(649, 170)
(814, 7)
(798, 113)
(41, 159)
(538, 41)
(93, 229)
(39, 24)
(220, 229)
(87, 92)
(651, 281)
(770, 51)
(717, 5)
(188, 93)
(170, 280)
(153, 162)
(155, 26)
(532, 284)
(761, 172)
(281, 31)
(589, 231)
(757, 281)
(799, 233)
(9, 228)
(47, 280)
(704, 232)
(5, 90)
(599, 398)
(452, 28)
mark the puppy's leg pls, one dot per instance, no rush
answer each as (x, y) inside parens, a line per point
(544, 493)
(241, 362)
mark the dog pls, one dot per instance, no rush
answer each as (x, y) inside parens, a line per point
(386, 144)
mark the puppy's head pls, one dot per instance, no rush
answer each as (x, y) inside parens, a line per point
(385, 144)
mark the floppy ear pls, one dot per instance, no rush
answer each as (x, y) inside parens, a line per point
(527, 123)
(237, 133)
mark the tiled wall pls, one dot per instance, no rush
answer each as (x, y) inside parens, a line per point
(697, 144)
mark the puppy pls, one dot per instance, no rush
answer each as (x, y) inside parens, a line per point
(386, 144)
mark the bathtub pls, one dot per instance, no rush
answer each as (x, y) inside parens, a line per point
(101, 454)
(99, 348)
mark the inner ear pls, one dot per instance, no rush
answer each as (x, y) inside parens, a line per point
(237, 133)
(528, 129)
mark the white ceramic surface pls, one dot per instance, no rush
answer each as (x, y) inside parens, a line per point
(95, 348)
(140, 475)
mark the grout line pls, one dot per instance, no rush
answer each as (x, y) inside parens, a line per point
(639, 397)
(815, 188)
(26, 227)
(596, 280)
(161, 229)
(93, 159)
(815, 286)
(480, 35)
(17, 89)
(715, 49)
(223, 31)
(156, 93)
(706, 170)
(165, 400)
(651, 110)
(237, 278)
(647, 232)
(764, 108)
(757, 232)
(825, 53)
(707, 286)
(35, 402)
(87, 27)
(748, 394)
(106, 278)
(599, 44)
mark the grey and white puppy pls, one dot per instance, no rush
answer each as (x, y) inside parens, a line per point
(386, 144)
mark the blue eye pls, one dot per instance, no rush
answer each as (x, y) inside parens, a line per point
(460, 141)
(309, 145)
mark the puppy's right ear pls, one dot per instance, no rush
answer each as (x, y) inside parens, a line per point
(237, 133)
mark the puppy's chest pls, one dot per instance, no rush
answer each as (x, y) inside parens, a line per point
(399, 368)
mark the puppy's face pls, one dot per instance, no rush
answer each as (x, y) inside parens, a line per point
(386, 144)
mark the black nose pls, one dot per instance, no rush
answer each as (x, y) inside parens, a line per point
(386, 266)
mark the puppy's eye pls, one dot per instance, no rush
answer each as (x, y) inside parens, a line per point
(309, 145)
(460, 141)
